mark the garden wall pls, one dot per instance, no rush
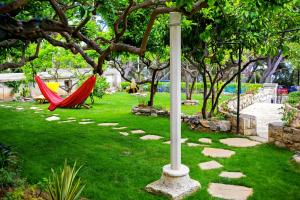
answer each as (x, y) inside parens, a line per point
(284, 136)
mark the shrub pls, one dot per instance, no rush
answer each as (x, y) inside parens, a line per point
(100, 87)
(294, 98)
(65, 185)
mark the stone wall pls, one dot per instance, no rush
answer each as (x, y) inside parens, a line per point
(246, 100)
(284, 136)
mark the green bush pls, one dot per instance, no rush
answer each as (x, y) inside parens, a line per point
(294, 98)
(100, 87)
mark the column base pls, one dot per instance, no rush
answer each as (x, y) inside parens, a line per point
(176, 184)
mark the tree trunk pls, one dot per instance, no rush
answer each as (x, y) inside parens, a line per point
(205, 98)
(252, 73)
(192, 88)
(153, 89)
(273, 64)
(187, 88)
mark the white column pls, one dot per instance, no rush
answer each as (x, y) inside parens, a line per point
(175, 74)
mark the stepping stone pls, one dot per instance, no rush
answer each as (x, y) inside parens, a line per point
(108, 124)
(8, 106)
(19, 108)
(2, 105)
(137, 132)
(239, 142)
(67, 121)
(119, 128)
(217, 153)
(233, 175)
(210, 165)
(183, 140)
(258, 139)
(53, 118)
(232, 192)
(39, 109)
(205, 140)
(191, 144)
(33, 108)
(150, 137)
(71, 118)
(124, 133)
(86, 122)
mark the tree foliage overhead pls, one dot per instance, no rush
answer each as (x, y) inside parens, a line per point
(101, 26)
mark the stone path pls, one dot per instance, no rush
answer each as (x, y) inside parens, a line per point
(191, 144)
(233, 175)
(205, 140)
(87, 122)
(232, 192)
(210, 165)
(265, 113)
(124, 133)
(183, 140)
(151, 137)
(119, 128)
(137, 132)
(108, 124)
(239, 142)
(52, 118)
(217, 153)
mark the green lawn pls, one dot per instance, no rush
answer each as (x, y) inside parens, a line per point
(119, 167)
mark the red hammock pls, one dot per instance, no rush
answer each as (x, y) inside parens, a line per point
(76, 98)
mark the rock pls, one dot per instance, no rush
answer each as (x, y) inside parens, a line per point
(150, 137)
(190, 144)
(205, 140)
(19, 108)
(210, 165)
(239, 142)
(296, 158)
(233, 175)
(153, 114)
(232, 192)
(108, 124)
(204, 123)
(67, 121)
(224, 125)
(217, 153)
(33, 108)
(85, 120)
(213, 125)
(137, 132)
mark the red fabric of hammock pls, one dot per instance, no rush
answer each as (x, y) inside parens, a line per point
(76, 98)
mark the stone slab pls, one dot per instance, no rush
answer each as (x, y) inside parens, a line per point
(124, 133)
(150, 137)
(137, 132)
(232, 192)
(52, 118)
(108, 124)
(19, 108)
(217, 153)
(232, 175)
(191, 144)
(210, 165)
(119, 128)
(205, 140)
(183, 140)
(88, 122)
(258, 139)
(33, 108)
(67, 121)
(239, 142)
(71, 118)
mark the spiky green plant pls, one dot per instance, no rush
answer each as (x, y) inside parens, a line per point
(65, 185)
